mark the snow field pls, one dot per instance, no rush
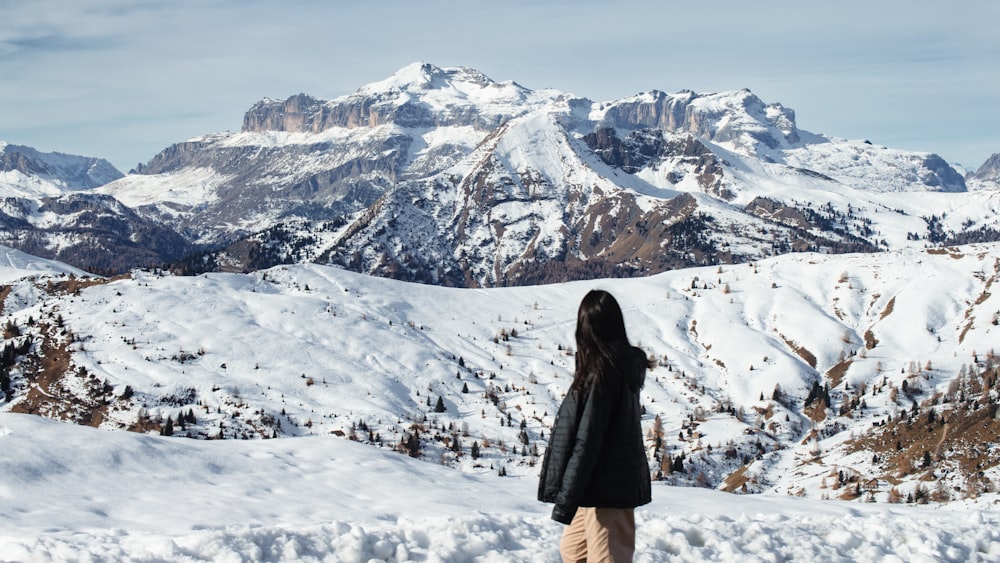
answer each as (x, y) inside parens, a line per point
(80, 494)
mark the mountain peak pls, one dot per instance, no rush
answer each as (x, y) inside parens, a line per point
(990, 170)
(425, 76)
(51, 173)
(417, 95)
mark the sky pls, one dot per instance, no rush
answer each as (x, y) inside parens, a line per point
(125, 79)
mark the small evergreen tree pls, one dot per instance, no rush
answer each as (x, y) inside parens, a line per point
(439, 407)
(168, 428)
(678, 465)
(777, 395)
(412, 444)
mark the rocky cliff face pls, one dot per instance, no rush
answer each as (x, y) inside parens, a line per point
(936, 173)
(684, 154)
(740, 118)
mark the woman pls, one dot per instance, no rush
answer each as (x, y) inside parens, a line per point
(595, 468)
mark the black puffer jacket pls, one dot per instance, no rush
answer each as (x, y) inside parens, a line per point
(596, 455)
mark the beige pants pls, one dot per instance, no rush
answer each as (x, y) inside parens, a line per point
(599, 534)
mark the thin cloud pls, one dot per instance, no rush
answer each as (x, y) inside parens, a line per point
(27, 46)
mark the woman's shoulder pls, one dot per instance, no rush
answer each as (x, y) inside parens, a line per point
(635, 368)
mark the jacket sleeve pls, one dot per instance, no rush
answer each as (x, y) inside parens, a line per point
(563, 514)
(590, 435)
(561, 441)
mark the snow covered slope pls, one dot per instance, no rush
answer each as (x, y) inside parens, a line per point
(16, 265)
(887, 339)
(72, 494)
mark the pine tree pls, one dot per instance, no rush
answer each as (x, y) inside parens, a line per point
(777, 395)
(439, 407)
(412, 444)
(475, 450)
(4, 384)
(168, 428)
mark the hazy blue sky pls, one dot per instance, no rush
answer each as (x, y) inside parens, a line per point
(124, 79)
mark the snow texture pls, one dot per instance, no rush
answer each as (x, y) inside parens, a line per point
(81, 494)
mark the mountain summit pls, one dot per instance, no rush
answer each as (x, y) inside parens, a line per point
(419, 95)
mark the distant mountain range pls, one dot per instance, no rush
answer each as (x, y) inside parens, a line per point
(444, 176)
(49, 207)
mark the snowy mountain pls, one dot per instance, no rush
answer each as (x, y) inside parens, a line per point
(323, 160)
(864, 378)
(444, 176)
(92, 231)
(988, 175)
(49, 208)
(27, 173)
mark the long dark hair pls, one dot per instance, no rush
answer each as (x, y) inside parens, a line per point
(600, 339)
